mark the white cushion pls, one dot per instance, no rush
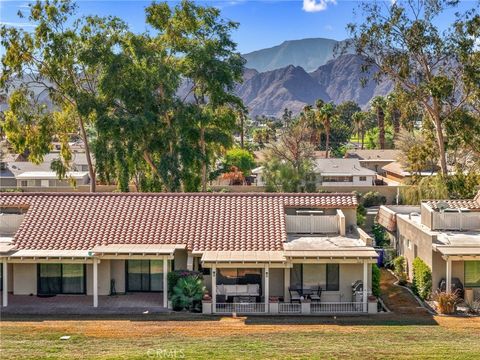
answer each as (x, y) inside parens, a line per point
(253, 289)
(221, 289)
(242, 289)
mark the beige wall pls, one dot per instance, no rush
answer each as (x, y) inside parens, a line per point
(103, 278)
(181, 259)
(350, 217)
(24, 279)
(117, 273)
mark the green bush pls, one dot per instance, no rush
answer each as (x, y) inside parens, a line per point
(174, 276)
(375, 280)
(361, 215)
(373, 198)
(380, 235)
(422, 279)
(399, 268)
(188, 294)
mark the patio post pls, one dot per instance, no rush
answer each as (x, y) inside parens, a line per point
(365, 285)
(5, 283)
(214, 289)
(165, 282)
(189, 261)
(267, 287)
(448, 288)
(95, 282)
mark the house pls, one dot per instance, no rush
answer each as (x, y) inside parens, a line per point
(333, 172)
(444, 234)
(374, 159)
(24, 174)
(251, 248)
(343, 172)
(396, 172)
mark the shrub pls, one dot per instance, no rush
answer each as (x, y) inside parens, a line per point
(375, 280)
(188, 293)
(174, 276)
(399, 269)
(373, 198)
(380, 235)
(446, 302)
(361, 215)
(422, 279)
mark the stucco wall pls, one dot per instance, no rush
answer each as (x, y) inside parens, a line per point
(117, 273)
(103, 278)
(24, 279)
(181, 259)
(350, 217)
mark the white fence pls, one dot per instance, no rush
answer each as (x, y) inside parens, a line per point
(336, 307)
(241, 308)
(289, 308)
(456, 221)
(324, 224)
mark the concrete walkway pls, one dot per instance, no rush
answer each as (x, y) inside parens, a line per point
(83, 304)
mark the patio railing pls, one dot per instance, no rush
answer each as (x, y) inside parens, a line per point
(336, 307)
(241, 308)
(289, 308)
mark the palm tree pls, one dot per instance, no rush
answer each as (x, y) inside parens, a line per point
(394, 112)
(378, 105)
(327, 112)
(359, 121)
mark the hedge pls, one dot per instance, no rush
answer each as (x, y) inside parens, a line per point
(422, 279)
(375, 280)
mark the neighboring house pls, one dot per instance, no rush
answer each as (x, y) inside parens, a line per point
(444, 234)
(333, 172)
(343, 172)
(251, 248)
(396, 172)
(24, 174)
(374, 159)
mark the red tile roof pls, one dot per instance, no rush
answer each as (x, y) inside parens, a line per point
(471, 204)
(201, 221)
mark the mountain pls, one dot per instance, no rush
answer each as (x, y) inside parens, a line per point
(307, 53)
(269, 93)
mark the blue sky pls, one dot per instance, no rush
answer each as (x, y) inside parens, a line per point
(263, 23)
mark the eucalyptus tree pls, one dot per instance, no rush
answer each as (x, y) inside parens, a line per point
(403, 42)
(207, 59)
(58, 58)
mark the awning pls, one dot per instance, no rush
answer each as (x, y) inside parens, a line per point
(6, 248)
(243, 256)
(333, 254)
(458, 251)
(50, 254)
(137, 249)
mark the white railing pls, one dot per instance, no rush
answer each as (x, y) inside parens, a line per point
(289, 308)
(241, 308)
(336, 307)
(456, 221)
(324, 224)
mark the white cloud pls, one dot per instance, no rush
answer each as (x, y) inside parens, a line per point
(16, 24)
(317, 5)
(328, 27)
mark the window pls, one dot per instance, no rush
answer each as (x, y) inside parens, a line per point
(61, 279)
(337, 179)
(363, 178)
(472, 273)
(144, 275)
(325, 275)
(333, 277)
(240, 276)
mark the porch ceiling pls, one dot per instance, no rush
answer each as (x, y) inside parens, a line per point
(243, 256)
(333, 254)
(458, 251)
(49, 254)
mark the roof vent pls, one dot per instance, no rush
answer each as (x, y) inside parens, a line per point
(442, 205)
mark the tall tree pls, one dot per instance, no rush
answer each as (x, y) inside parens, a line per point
(403, 41)
(378, 106)
(60, 58)
(359, 119)
(393, 110)
(208, 61)
(327, 112)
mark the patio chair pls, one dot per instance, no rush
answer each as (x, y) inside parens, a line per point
(316, 296)
(294, 294)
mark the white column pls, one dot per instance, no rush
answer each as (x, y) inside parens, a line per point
(266, 292)
(190, 261)
(449, 276)
(95, 282)
(165, 282)
(214, 289)
(286, 284)
(365, 285)
(5, 283)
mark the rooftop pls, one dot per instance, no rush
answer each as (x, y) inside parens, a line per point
(341, 167)
(379, 155)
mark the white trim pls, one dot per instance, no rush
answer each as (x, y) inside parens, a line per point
(5, 283)
(95, 282)
(165, 284)
(365, 286)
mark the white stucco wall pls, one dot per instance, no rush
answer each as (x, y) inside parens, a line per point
(24, 279)
(180, 259)
(276, 282)
(117, 273)
(103, 278)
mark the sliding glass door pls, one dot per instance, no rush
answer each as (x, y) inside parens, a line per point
(61, 279)
(144, 275)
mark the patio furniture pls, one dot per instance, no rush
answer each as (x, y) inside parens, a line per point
(294, 294)
(248, 290)
(306, 291)
(317, 294)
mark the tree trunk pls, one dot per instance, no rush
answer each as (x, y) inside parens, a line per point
(381, 127)
(204, 159)
(327, 142)
(242, 131)
(363, 137)
(396, 123)
(441, 145)
(91, 169)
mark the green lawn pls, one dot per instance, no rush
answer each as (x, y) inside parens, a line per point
(167, 337)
